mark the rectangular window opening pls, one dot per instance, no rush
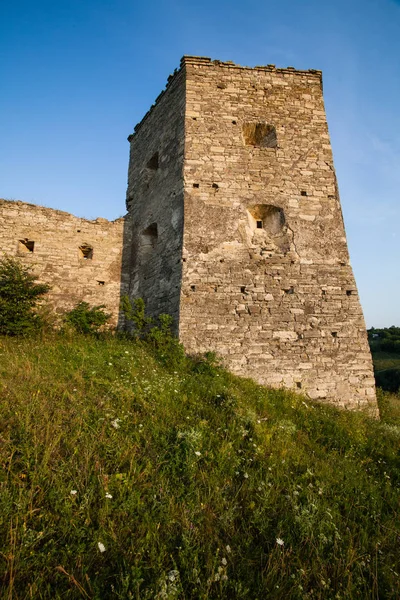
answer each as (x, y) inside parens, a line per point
(85, 252)
(26, 246)
(259, 224)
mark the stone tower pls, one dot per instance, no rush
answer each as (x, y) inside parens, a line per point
(238, 231)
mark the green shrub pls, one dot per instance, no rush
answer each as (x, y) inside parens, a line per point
(87, 319)
(20, 295)
(158, 333)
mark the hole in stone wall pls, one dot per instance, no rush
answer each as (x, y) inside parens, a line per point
(196, 185)
(86, 252)
(78, 231)
(298, 385)
(243, 289)
(215, 186)
(260, 134)
(234, 122)
(153, 162)
(26, 245)
(289, 290)
(334, 334)
(148, 239)
(349, 292)
(194, 118)
(303, 193)
(100, 282)
(271, 218)
(193, 288)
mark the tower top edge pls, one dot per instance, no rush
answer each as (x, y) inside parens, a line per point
(205, 61)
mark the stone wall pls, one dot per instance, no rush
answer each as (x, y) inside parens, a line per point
(80, 259)
(266, 276)
(155, 202)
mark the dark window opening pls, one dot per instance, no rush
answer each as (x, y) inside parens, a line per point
(100, 282)
(243, 289)
(348, 292)
(289, 290)
(193, 288)
(303, 193)
(334, 334)
(234, 122)
(78, 231)
(153, 162)
(194, 118)
(26, 245)
(216, 288)
(196, 185)
(259, 224)
(298, 385)
(260, 134)
(215, 186)
(86, 252)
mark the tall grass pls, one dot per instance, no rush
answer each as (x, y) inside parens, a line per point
(128, 476)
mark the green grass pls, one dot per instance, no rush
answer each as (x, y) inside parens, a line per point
(188, 476)
(385, 360)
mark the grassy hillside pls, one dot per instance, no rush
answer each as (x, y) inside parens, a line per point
(127, 475)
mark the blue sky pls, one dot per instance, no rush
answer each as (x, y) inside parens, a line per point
(77, 75)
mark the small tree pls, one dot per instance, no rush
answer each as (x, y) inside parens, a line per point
(19, 297)
(87, 319)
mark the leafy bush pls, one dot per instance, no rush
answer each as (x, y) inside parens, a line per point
(157, 332)
(87, 319)
(19, 298)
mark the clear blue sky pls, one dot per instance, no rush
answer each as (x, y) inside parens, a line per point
(77, 75)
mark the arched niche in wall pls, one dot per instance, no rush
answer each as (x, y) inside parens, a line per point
(262, 135)
(267, 223)
(147, 242)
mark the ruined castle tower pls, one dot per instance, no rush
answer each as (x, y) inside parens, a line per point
(238, 231)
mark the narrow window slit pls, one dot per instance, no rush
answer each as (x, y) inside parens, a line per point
(193, 288)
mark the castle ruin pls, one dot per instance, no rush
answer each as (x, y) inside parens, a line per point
(234, 227)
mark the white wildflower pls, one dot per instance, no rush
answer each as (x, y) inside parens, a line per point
(110, 364)
(197, 453)
(172, 575)
(116, 423)
(108, 495)
(101, 547)
(224, 561)
(246, 475)
(280, 542)
(228, 549)
(73, 492)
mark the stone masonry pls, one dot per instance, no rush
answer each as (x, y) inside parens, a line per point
(238, 229)
(80, 259)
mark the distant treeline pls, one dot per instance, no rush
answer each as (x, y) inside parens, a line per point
(386, 339)
(387, 371)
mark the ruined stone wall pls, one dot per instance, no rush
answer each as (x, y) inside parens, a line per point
(80, 259)
(155, 202)
(267, 282)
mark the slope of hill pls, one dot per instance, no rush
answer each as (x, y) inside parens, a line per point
(127, 473)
